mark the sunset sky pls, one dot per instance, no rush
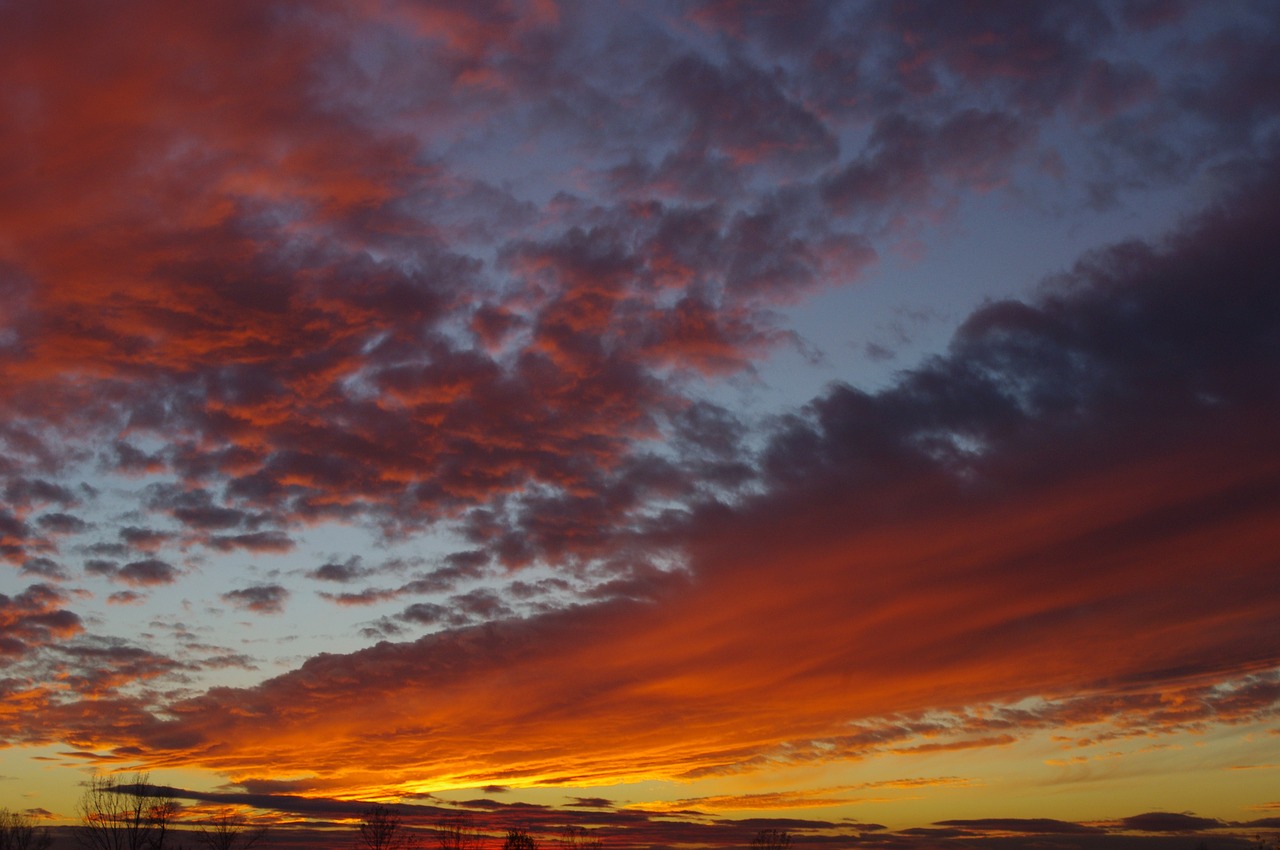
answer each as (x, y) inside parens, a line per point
(673, 419)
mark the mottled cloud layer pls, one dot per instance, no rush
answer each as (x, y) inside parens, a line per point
(294, 280)
(989, 529)
(476, 276)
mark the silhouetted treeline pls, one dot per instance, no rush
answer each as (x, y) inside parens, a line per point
(117, 813)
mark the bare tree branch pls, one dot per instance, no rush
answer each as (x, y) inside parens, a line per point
(124, 816)
(230, 831)
(381, 829)
(18, 831)
(456, 832)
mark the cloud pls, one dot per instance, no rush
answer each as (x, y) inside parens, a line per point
(740, 111)
(1148, 14)
(905, 160)
(964, 744)
(1169, 822)
(260, 599)
(61, 523)
(28, 492)
(1027, 826)
(767, 801)
(145, 539)
(15, 537)
(35, 618)
(458, 567)
(257, 541)
(149, 572)
(343, 573)
(322, 324)
(1038, 56)
(425, 613)
(1243, 98)
(1034, 481)
(368, 596)
(44, 567)
(96, 668)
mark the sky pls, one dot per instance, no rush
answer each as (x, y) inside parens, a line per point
(670, 419)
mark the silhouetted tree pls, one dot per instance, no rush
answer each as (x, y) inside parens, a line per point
(771, 839)
(456, 832)
(519, 839)
(124, 816)
(577, 838)
(18, 831)
(230, 831)
(381, 829)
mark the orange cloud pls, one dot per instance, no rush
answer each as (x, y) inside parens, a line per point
(811, 799)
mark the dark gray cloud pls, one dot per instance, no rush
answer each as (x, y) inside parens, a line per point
(343, 573)
(260, 599)
(1028, 826)
(61, 523)
(46, 567)
(147, 573)
(1169, 822)
(27, 492)
(97, 667)
(255, 541)
(35, 618)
